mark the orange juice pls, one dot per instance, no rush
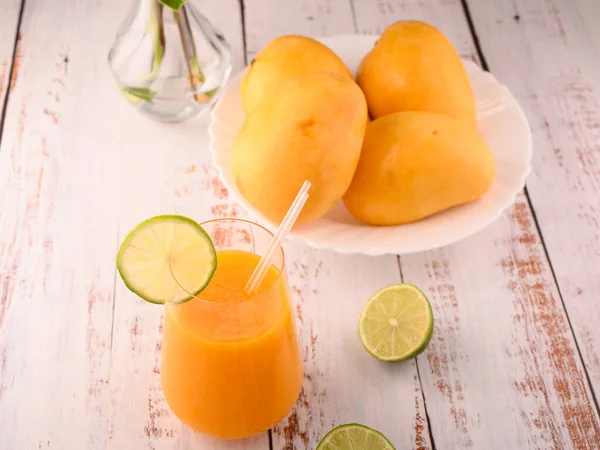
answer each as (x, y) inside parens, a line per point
(231, 364)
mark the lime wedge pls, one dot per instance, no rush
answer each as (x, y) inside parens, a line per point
(396, 323)
(167, 258)
(354, 436)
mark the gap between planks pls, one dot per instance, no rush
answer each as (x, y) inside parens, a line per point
(245, 55)
(12, 69)
(427, 418)
(250, 49)
(485, 66)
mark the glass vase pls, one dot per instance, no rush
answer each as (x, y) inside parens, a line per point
(169, 64)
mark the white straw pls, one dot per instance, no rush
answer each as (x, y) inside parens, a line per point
(284, 228)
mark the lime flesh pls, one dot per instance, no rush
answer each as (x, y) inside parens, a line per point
(396, 323)
(167, 258)
(354, 436)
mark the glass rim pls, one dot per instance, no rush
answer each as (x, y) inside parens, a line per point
(249, 298)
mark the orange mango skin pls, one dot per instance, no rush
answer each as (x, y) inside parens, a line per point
(312, 130)
(415, 164)
(414, 67)
(282, 59)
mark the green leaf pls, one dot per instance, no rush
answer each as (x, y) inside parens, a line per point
(173, 4)
(136, 94)
(205, 97)
(212, 92)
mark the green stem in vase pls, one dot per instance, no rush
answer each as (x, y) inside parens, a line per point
(195, 75)
(157, 30)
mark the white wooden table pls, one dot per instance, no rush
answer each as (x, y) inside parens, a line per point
(515, 356)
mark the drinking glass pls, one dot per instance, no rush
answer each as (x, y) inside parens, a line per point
(231, 363)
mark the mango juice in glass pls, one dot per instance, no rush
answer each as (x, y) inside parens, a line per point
(231, 363)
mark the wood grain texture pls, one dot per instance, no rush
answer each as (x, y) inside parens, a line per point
(226, 17)
(58, 231)
(502, 370)
(181, 182)
(78, 167)
(588, 12)
(266, 20)
(342, 382)
(549, 59)
(9, 18)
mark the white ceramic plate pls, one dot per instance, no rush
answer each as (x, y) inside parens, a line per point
(500, 120)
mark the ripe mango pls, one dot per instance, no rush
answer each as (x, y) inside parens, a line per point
(283, 58)
(312, 130)
(414, 67)
(414, 164)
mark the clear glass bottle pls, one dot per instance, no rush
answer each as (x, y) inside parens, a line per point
(169, 64)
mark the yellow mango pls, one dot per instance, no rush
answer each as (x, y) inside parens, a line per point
(312, 130)
(283, 58)
(414, 164)
(414, 67)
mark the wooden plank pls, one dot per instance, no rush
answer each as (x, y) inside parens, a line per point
(502, 370)
(266, 20)
(560, 91)
(587, 11)
(229, 25)
(183, 182)
(342, 383)
(70, 186)
(9, 20)
(58, 233)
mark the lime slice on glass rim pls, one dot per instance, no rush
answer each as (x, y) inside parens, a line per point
(396, 323)
(354, 436)
(167, 259)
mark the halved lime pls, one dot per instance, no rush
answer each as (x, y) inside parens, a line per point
(167, 258)
(396, 323)
(354, 436)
